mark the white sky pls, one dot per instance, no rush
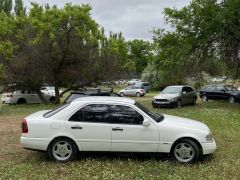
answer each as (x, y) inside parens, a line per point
(134, 18)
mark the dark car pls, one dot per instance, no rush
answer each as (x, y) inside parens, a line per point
(175, 96)
(220, 92)
(77, 94)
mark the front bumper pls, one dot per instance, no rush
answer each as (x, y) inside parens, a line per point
(163, 104)
(209, 147)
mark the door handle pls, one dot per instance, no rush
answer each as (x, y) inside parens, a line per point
(76, 127)
(117, 129)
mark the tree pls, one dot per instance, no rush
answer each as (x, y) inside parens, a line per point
(140, 54)
(6, 6)
(19, 9)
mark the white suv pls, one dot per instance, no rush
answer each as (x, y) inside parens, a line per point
(24, 97)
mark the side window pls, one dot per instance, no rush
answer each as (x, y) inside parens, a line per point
(125, 115)
(212, 88)
(184, 89)
(95, 113)
(220, 88)
(189, 89)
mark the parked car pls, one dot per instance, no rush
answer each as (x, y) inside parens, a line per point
(146, 85)
(78, 94)
(220, 92)
(133, 91)
(133, 81)
(24, 97)
(114, 124)
(175, 96)
(49, 90)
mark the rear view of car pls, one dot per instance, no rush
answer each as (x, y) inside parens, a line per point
(146, 85)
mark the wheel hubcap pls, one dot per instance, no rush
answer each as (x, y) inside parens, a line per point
(62, 150)
(184, 152)
(232, 100)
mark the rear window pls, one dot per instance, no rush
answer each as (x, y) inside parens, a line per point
(54, 111)
(73, 96)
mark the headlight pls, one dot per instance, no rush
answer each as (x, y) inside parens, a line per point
(209, 137)
(153, 99)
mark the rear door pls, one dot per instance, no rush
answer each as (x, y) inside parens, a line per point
(128, 133)
(90, 127)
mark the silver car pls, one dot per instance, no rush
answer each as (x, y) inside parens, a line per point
(175, 96)
(133, 91)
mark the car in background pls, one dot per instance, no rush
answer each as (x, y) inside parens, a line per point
(146, 85)
(220, 92)
(78, 94)
(133, 91)
(114, 124)
(24, 97)
(175, 96)
(133, 81)
(49, 90)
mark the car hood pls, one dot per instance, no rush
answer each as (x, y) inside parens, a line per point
(184, 122)
(165, 96)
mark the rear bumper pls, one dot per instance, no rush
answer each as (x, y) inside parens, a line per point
(35, 143)
(209, 147)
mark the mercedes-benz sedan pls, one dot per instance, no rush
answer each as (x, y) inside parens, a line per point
(114, 124)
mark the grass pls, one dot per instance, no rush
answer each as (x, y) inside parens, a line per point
(222, 118)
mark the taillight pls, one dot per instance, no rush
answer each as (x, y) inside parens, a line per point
(24, 126)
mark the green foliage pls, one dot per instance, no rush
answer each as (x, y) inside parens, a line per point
(19, 9)
(6, 6)
(140, 53)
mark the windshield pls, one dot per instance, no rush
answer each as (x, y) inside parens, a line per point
(172, 90)
(154, 116)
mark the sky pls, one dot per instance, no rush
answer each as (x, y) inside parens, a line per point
(134, 18)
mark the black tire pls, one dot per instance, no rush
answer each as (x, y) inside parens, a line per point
(185, 151)
(232, 99)
(204, 98)
(179, 104)
(65, 144)
(21, 101)
(154, 106)
(122, 94)
(138, 94)
(52, 99)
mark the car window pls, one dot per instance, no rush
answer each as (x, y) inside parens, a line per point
(188, 89)
(94, 113)
(220, 88)
(212, 88)
(125, 115)
(54, 111)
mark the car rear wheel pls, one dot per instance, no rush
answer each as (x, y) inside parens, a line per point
(185, 151)
(138, 94)
(231, 99)
(204, 98)
(122, 94)
(62, 150)
(21, 101)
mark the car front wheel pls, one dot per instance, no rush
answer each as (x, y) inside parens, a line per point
(122, 94)
(138, 94)
(179, 104)
(62, 150)
(185, 151)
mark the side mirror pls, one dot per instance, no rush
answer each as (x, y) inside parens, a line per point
(146, 122)
(184, 92)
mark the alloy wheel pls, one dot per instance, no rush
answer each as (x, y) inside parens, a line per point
(184, 152)
(62, 150)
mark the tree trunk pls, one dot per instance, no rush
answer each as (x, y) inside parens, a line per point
(43, 99)
(57, 97)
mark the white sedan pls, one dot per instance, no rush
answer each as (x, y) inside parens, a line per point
(114, 124)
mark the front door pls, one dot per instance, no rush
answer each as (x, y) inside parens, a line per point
(90, 128)
(128, 133)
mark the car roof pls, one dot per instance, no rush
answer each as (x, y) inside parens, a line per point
(104, 99)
